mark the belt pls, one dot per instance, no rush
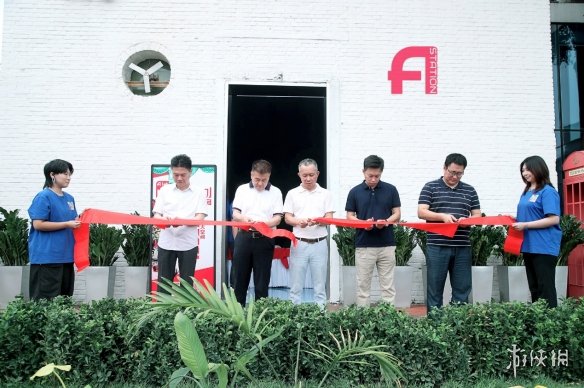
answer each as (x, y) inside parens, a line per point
(253, 233)
(311, 240)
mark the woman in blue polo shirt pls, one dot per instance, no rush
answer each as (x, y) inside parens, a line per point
(538, 216)
(50, 244)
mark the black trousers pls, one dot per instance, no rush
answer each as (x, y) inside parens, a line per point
(187, 261)
(50, 280)
(252, 251)
(541, 277)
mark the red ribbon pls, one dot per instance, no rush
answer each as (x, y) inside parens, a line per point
(95, 216)
(512, 242)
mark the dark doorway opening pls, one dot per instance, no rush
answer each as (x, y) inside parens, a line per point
(281, 124)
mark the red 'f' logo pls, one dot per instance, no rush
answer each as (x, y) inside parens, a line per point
(397, 75)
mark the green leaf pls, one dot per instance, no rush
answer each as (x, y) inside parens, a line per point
(190, 347)
(177, 377)
(44, 371)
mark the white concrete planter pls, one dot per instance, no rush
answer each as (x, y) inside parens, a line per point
(561, 282)
(135, 281)
(11, 283)
(513, 284)
(349, 285)
(403, 276)
(99, 282)
(482, 284)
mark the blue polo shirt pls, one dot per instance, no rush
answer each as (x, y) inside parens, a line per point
(373, 203)
(458, 201)
(55, 247)
(536, 205)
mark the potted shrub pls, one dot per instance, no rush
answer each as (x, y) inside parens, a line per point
(104, 243)
(405, 239)
(137, 252)
(512, 278)
(572, 236)
(512, 275)
(13, 255)
(486, 241)
(345, 241)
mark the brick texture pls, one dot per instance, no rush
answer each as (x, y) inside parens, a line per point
(62, 95)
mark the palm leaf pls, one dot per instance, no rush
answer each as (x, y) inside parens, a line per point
(190, 347)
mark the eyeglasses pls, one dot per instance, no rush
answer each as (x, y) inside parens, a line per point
(455, 173)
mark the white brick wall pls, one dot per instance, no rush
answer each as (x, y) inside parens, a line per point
(61, 91)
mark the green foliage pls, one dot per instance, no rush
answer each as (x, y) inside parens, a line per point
(345, 240)
(90, 338)
(465, 344)
(572, 236)
(489, 332)
(512, 260)
(486, 240)
(421, 237)
(204, 299)
(136, 245)
(355, 350)
(405, 241)
(104, 243)
(193, 355)
(13, 238)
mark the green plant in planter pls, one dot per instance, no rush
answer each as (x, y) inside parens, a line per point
(421, 238)
(104, 242)
(345, 240)
(405, 241)
(486, 240)
(572, 236)
(512, 260)
(136, 245)
(13, 238)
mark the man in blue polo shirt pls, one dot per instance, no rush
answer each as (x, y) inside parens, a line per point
(448, 199)
(374, 200)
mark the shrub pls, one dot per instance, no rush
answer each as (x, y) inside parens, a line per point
(405, 242)
(345, 240)
(13, 238)
(136, 245)
(486, 240)
(572, 236)
(104, 242)
(464, 343)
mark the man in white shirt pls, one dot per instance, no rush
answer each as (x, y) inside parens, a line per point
(302, 205)
(256, 201)
(179, 201)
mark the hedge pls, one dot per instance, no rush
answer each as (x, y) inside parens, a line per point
(104, 346)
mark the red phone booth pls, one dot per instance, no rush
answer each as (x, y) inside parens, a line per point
(574, 204)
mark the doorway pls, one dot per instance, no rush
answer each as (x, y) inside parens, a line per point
(281, 124)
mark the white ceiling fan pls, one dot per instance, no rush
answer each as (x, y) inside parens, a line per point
(146, 73)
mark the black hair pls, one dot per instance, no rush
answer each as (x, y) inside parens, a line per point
(373, 161)
(539, 169)
(456, 159)
(57, 166)
(181, 160)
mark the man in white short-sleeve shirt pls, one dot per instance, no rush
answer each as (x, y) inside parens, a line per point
(179, 201)
(256, 201)
(302, 205)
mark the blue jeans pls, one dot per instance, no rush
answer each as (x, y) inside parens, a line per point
(442, 260)
(314, 256)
